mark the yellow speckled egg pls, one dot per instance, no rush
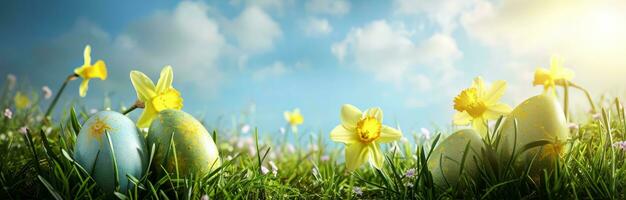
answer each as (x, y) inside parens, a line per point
(196, 152)
(445, 161)
(538, 118)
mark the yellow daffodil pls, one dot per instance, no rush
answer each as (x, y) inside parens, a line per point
(21, 100)
(155, 99)
(294, 118)
(88, 71)
(557, 75)
(478, 104)
(362, 132)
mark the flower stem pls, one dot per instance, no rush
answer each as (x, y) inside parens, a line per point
(593, 105)
(137, 104)
(566, 100)
(56, 97)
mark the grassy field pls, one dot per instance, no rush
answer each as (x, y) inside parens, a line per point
(36, 163)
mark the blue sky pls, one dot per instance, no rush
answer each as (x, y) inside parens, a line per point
(408, 57)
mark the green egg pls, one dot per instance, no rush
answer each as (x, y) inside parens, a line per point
(93, 152)
(445, 161)
(192, 151)
(538, 118)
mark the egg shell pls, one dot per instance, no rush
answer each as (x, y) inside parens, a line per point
(93, 152)
(196, 152)
(538, 118)
(445, 161)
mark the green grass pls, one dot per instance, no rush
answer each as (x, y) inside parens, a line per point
(39, 165)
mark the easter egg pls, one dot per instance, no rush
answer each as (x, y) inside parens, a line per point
(93, 150)
(192, 150)
(538, 118)
(445, 161)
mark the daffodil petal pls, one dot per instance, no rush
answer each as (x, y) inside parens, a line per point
(480, 125)
(388, 134)
(146, 116)
(495, 92)
(341, 134)
(87, 55)
(99, 70)
(83, 87)
(376, 157)
(143, 85)
(287, 115)
(542, 76)
(350, 116)
(497, 110)
(356, 155)
(165, 80)
(376, 113)
(461, 118)
(479, 84)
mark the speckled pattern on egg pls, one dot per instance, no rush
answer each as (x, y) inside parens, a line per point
(92, 149)
(539, 118)
(195, 150)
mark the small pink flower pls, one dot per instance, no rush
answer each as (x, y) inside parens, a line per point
(47, 93)
(245, 129)
(325, 158)
(264, 170)
(620, 145)
(23, 130)
(410, 173)
(7, 113)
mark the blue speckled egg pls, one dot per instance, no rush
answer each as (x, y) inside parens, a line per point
(92, 150)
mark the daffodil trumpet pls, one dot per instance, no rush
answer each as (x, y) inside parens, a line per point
(154, 98)
(362, 133)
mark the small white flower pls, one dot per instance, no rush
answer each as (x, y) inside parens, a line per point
(357, 190)
(409, 184)
(315, 171)
(47, 93)
(291, 148)
(93, 111)
(229, 157)
(313, 147)
(404, 139)
(325, 158)
(573, 127)
(274, 168)
(204, 197)
(425, 133)
(282, 130)
(596, 116)
(245, 128)
(264, 170)
(7, 113)
(23, 130)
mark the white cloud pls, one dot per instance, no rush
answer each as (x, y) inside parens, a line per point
(391, 55)
(330, 7)
(190, 37)
(275, 5)
(187, 38)
(590, 35)
(317, 27)
(274, 70)
(444, 13)
(254, 30)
